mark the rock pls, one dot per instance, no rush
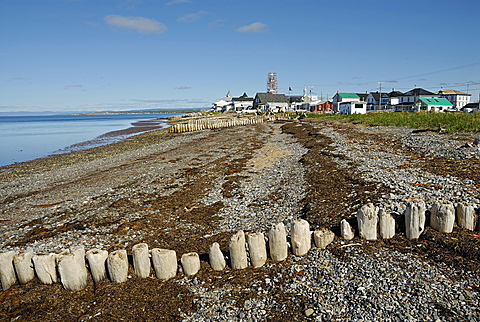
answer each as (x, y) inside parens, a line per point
(72, 269)
(141, 260)
(164, 262)
(257, 249)
(117, 264)
(216, 258)
(387, 224)
(466, 217)
(190, 263)
(414, 219)
(301, 237)
(45, 267)
(7, 272)
(277, 242)
(238, 251)
(96, 261)
(22, 261)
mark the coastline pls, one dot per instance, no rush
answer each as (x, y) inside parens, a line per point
(186, 191)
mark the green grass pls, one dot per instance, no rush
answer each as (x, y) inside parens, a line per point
(450, 122)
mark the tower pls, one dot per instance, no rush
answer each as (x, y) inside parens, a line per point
(272, 84)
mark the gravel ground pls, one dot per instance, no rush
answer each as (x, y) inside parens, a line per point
(187, 191)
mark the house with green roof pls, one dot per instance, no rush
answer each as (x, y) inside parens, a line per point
(432, 104)
(342, 98)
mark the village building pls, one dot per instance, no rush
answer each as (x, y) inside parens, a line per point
(353, 107)
(375, 104)
(457, 98)
(432, 104)
(342, 98)
(242, 103)
(270, 102)
(407, 101)
(223, 104)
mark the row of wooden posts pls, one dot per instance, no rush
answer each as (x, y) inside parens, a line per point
(204, 123)
(70, 266)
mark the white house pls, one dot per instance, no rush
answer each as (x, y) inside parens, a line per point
(413, 95)
(242, 103)
(352, 107)
(373, 100)
(342, 98)
(457, 98)
(223, 104)
(270, 102)
(433, 104)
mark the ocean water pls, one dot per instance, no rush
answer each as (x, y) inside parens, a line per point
(24, 138)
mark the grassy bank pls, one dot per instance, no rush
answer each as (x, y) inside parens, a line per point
(450, 122)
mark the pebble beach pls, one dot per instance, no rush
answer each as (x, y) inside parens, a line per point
(184, 191)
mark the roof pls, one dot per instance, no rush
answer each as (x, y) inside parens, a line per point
(271, 97)
(395, 93)
(435, 101)
(244, 97)
(418, 92)
(348, 95)
(362, 96)
(376, 95)
(451, 92)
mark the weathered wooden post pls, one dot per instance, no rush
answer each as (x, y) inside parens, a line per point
(216, 258)
(466, 217)
(346, 230)
(190, 263)
(238, 251)
(96, 261)
(22, 261)
(164, 262)
(301, 237)
(7, 272)
(277, 242)
(45, 267)
(367, 219)
(387, 224)
(72, 269)
(323, 237)
(257, 249)
(141, 260)
(414, 219)
(117, 264)
(442, 217)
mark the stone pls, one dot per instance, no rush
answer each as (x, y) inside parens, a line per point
(346, 230)
(141, 260)
(7, 271)
(190, 263)
(257, 249)
(301, 237)
(216, 258)
(72, 269)
(117, 265)
(277, 242)
(45, 267)
(386, 224)
(164, 263)
(466, 217)
(414, 219)
(367, 219)
(442, 217)
(22, 261)
(323, 237)
(238, 251)
(96, 261)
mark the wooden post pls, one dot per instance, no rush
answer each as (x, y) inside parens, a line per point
(216, 258)
(164, 262)
(346, 230)
(7, 272)
(414, 219)
(323, 237)
(466, 217)
(22, 261)
(367, 221)
(257, 249)
(96, 261)
(301, 237)
(238, 251)
(387, 224)
(72, 270)
(442, 217)
(141, 260)
(277, 242)
(190, 263)
(117, 264)
(45, 267)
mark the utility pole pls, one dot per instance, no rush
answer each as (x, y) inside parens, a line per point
(380, 97)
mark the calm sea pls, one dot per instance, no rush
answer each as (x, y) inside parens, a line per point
(24, 138)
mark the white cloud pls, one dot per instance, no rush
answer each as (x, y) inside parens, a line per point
(256, 27)
(139, 24)
(192, 17)
(178, 2)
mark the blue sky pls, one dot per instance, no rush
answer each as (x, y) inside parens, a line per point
(91, 55)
